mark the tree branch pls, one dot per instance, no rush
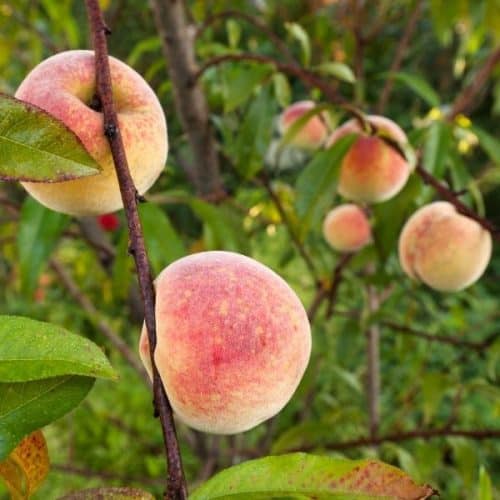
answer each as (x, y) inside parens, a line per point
(465, 99)
(399, 55)
(85, 303)
(336, 280)
(176, 485)
(177, 38)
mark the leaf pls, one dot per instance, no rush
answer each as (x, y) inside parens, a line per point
(233, 33)
(300, 34)
(303, 476)
(485, 488)
(241, 82)
(437, 145)
(32, 350)
(162, 241)
(282, 89)
(39, 232)
(316, 185)
(224, 225)
(338, 70)
(35, 146)
(152, 44)
(489, 143)
(109, 494)
(419, 86)
(27, 406)
(26, 467)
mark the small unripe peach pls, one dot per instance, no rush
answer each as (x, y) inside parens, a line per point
(233, 341)
(446, 250)
(64, 86)
(312, 135)
(372, 170)
(346, 228)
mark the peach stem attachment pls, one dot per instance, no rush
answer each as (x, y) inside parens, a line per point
(176, 483)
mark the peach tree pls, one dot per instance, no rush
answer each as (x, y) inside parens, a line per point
(323, 323)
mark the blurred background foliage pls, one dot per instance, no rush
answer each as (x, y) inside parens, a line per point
(49, 262)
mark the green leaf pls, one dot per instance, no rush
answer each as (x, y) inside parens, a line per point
(437, 145)
(338, 70)
(300, 34)
(28, 406)
(241, 82)
(39, 232)
(303, 476)
(152, 44)
(224, 226)
(485, 488)
(109, 494)
(316, 185)
(32, 350)
(419, 86)
(162, 241)
(282, 89)
(488, 142)
(233, 33)
(34, 146)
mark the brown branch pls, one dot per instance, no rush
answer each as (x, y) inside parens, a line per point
(406, 436)
(336, 280)
(465, 100)
(86, 304)
(277, 41)
(178, 47)
(293, 235)
(444, 339)
(451, 197)
(373, 364)
(176, 484)
(399, 55)
(321, 294)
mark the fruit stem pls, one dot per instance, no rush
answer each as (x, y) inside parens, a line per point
(176, 484)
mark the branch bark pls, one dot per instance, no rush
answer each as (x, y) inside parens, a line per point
(177, 37)
(176, 484)
(373, 359)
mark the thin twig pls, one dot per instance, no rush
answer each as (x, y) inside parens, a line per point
(399, 55)
(451, 197)
(176, 484)
(277, 41)
(465, 100)
(86, 304)
(336, 280)
(373, 364)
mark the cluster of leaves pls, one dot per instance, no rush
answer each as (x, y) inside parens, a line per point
(52, 268)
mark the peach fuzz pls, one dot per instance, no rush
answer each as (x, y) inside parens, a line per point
(444, 249)
(312, 135)
(233, 341)
(64, 85)
(372, 171)
(346, 228)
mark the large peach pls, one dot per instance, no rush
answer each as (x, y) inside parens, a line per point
(64, 86)
(233, 341)
(312, 135)
(443, 248)
(372, 170)
(346, 228)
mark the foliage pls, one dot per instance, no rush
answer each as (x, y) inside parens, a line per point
(53, 267)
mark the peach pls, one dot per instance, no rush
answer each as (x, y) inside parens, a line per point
(233, 341)
(443, 248)
(371, 171)
(64, 86)
(346, 228)
(312, 135)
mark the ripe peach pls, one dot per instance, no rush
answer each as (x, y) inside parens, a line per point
(64, 86)
(443, 248)
(372, 171)
(346, 228)
(312, 135)
(233, 341)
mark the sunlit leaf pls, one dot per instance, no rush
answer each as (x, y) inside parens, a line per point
(109, 494)
(32, 350)
(34, 146)
(300, 34)
(307, 476)
(338, 70)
